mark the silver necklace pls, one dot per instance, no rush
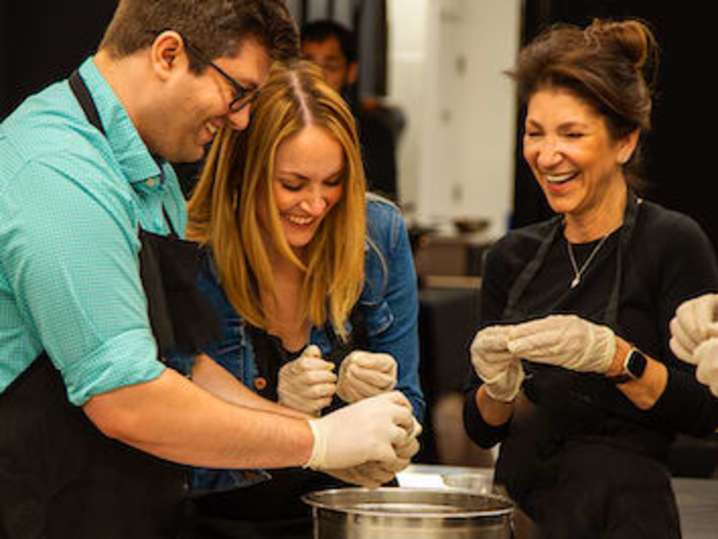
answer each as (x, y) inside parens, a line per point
(579, 271)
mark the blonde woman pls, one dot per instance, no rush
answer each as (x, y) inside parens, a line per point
(314, 281)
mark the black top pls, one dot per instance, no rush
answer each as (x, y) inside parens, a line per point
(668, 260)
(378, 153)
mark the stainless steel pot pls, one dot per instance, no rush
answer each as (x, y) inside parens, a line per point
(400, 513)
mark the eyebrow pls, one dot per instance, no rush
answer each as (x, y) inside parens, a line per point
(565, 125)
(306, 178)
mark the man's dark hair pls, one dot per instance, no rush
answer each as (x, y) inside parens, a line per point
(217, 27)
(325, 29)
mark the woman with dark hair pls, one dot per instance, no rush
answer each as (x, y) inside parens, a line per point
(573, 370)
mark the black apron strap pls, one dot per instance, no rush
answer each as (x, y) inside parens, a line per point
(529, 273)
(531, 269)
(629, 225)
(82, 94)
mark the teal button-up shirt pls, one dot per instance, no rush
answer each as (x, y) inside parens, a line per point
(71, 202)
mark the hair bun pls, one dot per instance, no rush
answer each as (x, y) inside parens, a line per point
(632, 37)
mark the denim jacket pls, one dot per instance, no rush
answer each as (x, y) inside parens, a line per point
(389, 306)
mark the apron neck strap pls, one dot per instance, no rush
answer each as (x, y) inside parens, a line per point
(629, 224)
(82, 94)
(532, 268)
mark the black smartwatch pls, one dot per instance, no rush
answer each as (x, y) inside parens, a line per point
(633, 367)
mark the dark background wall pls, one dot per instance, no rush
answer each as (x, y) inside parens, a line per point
(679, 165)
(41, 42)
(3, 55)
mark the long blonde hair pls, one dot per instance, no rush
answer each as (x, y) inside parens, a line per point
(236, 181)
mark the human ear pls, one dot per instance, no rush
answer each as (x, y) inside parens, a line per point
(167, 53)
(627, 146)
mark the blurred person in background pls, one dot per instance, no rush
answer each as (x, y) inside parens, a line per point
(333, 47)
(573, 372)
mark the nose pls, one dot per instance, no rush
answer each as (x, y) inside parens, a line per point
(240, 120)
(549, 154)
(315, 203)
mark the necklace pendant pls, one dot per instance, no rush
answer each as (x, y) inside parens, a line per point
(575, 281)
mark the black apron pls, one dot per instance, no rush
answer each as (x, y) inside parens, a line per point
(60, 476)
(568, 457)
(272, 509)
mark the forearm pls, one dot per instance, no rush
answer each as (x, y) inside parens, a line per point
(495, 413)
(670, 397)
(215, 379)
(477, 427)
(173, 419)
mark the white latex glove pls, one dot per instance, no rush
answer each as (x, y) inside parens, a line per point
(566, 341)
(694, 322)
(365, 374)
(308, 383)
(407, 450)
(500, 370)
(365, 431)
(374, 474)
(706, 357)
(369, 474)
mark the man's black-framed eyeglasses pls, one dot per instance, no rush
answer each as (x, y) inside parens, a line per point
(243, 96)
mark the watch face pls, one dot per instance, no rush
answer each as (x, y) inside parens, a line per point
(636, 364)
(633, 367)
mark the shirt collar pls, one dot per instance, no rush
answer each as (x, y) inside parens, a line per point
(134, 157)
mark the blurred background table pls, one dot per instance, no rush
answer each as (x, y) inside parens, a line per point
(698, 507)
(697, 498)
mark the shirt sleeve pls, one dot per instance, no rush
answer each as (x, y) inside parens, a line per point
(71, 260)
(401, 337)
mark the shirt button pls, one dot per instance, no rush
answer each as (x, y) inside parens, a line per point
(260, 383)
(151, 182)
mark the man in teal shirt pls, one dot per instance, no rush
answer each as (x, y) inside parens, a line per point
(82, 177)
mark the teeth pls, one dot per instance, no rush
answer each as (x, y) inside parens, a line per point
(299, 220)
(559, 179)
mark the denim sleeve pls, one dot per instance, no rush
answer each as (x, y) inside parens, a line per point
(399, 336)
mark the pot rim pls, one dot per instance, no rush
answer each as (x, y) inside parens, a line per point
(309, 499)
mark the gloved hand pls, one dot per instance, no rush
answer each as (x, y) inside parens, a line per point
(374, 474)
(566, 341)
(368, 430)
(500, 370)
(364, 374)
(307, 384)
(695, 321)
(369, 474)
(706, 357)
(407, 450)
